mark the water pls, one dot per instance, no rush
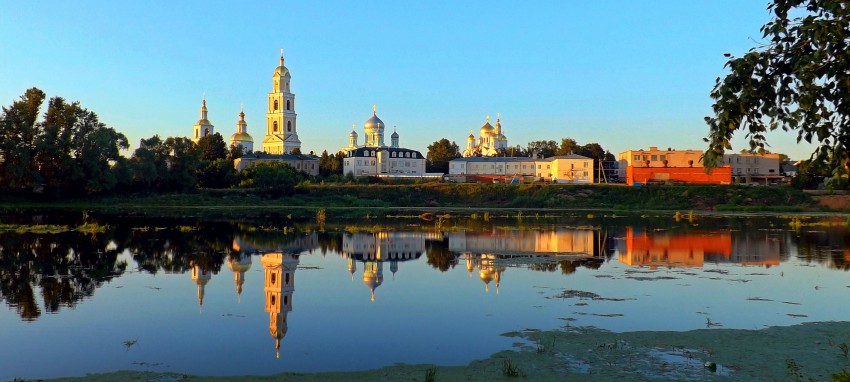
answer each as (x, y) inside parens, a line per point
(237, 298)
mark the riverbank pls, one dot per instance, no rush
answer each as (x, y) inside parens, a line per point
(480, 197)
(815, 351)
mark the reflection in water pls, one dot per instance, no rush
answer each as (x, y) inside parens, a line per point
(48, 273)
(239, 263)
(67, 268)
(373, 249)
(669, 249)
(279, 285)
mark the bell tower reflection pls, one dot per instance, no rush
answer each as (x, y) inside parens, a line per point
(201, 277)
(239, 264)
(279, 285)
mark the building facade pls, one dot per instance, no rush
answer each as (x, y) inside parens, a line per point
(491, 140)
(375, 158)
(758, 168)
(559, 169)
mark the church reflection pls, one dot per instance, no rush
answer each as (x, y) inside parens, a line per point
(375, 249)
(669, 249)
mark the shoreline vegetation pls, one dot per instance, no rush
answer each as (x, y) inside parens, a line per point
(809, 351)
(447, 196)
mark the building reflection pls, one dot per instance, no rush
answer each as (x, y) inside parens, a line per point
(375, 249)
(585, 242)
(669, 249)
(542, 250)
(200, 276)
(278, 287)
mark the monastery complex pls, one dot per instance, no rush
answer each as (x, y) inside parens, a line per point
(483, 160)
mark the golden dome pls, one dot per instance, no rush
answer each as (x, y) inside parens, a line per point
(487, 129)
(240, 265)
(281, 70)
(204, 122)
(241, 137)
(374, 123)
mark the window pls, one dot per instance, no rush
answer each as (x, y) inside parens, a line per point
(662, 157)
(289, 126)
(637, 157)
(654, 158)
(585, 164)
(287, 105)
(274, 126)
(275, 105)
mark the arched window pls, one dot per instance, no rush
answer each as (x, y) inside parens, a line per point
(289, 126)
(273, 300)
(206, 131)
(274, 126)
(286, 282)
(275, 104)
(285, 300)
(273, 278)
(287, 105)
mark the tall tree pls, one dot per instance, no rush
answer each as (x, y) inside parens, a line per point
(18, 130)
(568, 146)
(440, 153)
(212, 147)
(798, 80)
(183, 162)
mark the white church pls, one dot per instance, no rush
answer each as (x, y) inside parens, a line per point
(375, 158)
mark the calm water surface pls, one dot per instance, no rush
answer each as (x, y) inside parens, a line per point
(231, 298)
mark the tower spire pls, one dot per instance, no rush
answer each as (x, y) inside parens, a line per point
(281, 56)
(375, 109)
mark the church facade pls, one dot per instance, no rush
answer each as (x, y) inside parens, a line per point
(375, 158)
(491, 140)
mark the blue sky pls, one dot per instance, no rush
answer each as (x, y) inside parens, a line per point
(625, 74)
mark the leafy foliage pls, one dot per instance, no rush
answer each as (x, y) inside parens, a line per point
(274, 178)
(798, 80)
(440, 153)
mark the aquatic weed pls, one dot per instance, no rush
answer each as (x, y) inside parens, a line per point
(510, 370)
(431, 374)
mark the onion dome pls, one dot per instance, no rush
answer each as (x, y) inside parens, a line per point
(471, 135)
(374, 123)
(394, 135)
(353, 133)
(486, 276)
(487, 129)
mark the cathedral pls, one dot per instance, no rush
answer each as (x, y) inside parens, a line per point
(490, 140)
(375, 158)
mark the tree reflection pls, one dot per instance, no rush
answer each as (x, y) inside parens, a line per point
(67, 267)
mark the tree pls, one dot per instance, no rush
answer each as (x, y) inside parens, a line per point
(797, 80)
(218, 173)
(542, 149)
(184, 159)
(440, 153)
(212, 147)
(149, 164)
(296, 151)
(568, 146)
(18, 129)
(329, 165)
(274, 178)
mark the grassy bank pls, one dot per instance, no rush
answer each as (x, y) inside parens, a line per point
(472, 196)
